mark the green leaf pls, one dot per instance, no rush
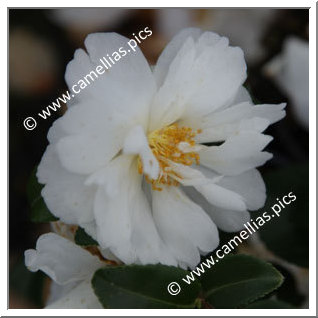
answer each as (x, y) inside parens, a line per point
(137, 286)
(239, 279)
(39, 210)
(270, 304)
(287, 236)
(83, 239)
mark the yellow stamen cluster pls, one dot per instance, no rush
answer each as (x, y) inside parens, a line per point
(164, 145)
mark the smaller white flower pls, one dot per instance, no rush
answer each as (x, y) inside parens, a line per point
(68, 265)
(290, 70)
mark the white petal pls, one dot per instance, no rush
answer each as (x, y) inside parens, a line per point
(56, 131)
(215, 194)
(136, 143)
(95, 137)
(146, 241)
(226, 220)
(58, 291)
(64, 193)
(81, 297)
(204, 75)
(248, 185)
(242, 95)
(245, 110)
(170, 101)
(122, 83)
(112, 210)
(222, 197)
(223, 131)
(242, 117)
(183, 225)
(123, 217)
(237, 154)
(216, 75)
(170, 52)
(62, 260)
(84, 154)
(187, 175)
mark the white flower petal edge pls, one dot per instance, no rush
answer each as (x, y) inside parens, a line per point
(65, 263)
(62, 260)
(65, 193)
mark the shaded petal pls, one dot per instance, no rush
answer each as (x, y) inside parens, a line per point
(245, 110)
(242, 95)
(171, 50)
(61, 259)
(221, 197)
(65, 193)
(112, 208)
(183, 225)
(223, 131)
(124, 222)
(237, 154)
(170, 100)
(206, 185)
(226, 220)
(218, 126)
(95, 137)
(196, 122)
(249, 185)
(80, 297)
(216, 76)
(59, 291)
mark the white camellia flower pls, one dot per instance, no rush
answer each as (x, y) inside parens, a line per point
(69, 266)
(150, 163)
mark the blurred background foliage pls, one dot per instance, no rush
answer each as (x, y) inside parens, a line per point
(275, 43)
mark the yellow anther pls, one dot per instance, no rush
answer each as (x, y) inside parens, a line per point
(164, 145)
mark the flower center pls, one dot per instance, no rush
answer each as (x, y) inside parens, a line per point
(171, 143)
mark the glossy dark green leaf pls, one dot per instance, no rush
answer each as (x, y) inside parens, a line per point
(237, 280)
(137, 286)
(269, 304)
(288, 235)
(83, 239)
(39, 211)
